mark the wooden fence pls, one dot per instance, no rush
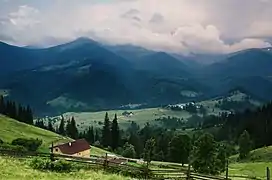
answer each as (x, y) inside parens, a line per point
(97, 161)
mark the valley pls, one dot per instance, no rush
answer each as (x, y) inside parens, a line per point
(214, 106)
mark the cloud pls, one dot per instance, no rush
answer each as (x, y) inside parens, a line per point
(156, 18)
(181, 26)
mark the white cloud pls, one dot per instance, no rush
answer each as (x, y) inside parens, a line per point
(199, 26)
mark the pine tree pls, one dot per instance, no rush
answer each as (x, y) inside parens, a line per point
(61, 129)
(2, 105)
(13, 110)
(68, 128)
(96, 137)
(115, 133)
(50, 126)
(106, 133)
(29, 115)
(149, 150)
(90, 135)
(244, 145)
(20, 113)
(73, 129)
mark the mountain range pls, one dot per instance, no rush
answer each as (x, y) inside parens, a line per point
(85, 75)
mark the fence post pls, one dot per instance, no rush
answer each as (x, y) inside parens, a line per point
(51, 153)
(267, 173)
(227, 170)
(189, 172)
(106, 161)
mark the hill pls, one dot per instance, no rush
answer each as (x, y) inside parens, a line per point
(11, 129)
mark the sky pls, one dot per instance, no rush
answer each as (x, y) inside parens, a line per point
(180, 26)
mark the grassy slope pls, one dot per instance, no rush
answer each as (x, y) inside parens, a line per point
(11, 129)
(255, 165)
(13, 169)
(257, 169)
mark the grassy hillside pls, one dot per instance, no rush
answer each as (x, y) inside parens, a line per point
(258, 155)
(12, 169)
(257, 169)
(11, 129)
(255, 165)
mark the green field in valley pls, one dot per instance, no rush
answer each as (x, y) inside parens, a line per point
(142, 116)
(13, 169)
(11, 129)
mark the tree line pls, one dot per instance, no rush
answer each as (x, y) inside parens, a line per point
(16, 111)
(257, 123)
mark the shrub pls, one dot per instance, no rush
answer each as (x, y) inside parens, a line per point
(1, 141)
(56, 166)
(16, 148)
(29, 144)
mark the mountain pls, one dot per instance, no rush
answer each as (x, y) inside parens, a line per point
(84, 75)
(251, 62)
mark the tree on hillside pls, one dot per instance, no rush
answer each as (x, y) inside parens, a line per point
(2, 105)
(135, 140)
(179, 148)
(149, 150)
(244, 145)
(73, 129)
(68, 128)
(29, 115)
(61, 129)
(39, 123)
(203, 158)
(221, 157)
(115, 134)
(96, 137)
(21, 114)
(50, 126)
(106, 133)
(90, 135)
(128, 151)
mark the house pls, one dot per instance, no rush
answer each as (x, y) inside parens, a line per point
(80, 148)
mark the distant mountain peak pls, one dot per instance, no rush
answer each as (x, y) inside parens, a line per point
(79, 42)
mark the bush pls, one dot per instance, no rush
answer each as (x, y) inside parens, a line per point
(29, 144)
(1, 141)
(56, 166)
(16, 148)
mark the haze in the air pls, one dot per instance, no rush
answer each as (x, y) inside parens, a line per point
(198, 26)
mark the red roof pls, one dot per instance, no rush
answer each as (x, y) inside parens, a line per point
(74, 147)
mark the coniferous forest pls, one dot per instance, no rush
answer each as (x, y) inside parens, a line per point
(16, 111)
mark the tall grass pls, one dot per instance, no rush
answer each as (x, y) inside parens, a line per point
(14, 169)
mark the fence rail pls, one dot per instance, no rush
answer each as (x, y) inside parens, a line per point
(105, 162)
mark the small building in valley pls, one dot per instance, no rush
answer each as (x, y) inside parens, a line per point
(80, 148)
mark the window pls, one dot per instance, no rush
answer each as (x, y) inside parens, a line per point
(56, 150)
